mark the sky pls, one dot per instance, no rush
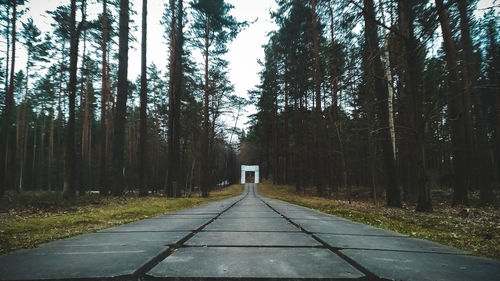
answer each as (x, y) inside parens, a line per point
(244, 51)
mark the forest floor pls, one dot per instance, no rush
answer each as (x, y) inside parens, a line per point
(31, 218)
(474, 229)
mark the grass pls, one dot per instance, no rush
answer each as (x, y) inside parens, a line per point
(30, 219)
(476, 230)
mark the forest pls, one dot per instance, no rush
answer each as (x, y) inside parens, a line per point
(398, 98)
(72, 121)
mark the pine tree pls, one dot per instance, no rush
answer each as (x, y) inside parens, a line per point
(121, 101)
(213, 28)
(381, 93)
(71, 172)
(144, 101)
(455, 110)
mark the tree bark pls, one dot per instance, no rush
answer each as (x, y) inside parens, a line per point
(174, 90)
(205, 136)
(50, 162)
(319, 128)
(105, 93)
(121, 100)
(85, 121)
(144, 102)
(276, 175)
(8, 144)
(333, 67)
(178, 95)
(390, 90)
(479, 150)
(456, 114)
(381, 92)
(286, 148)
(70, 178)
(414, 103)
(7, 49)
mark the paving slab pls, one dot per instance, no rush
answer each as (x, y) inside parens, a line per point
(310, 215)
(196, 212)
(250, 202)
(251, 224)
(245, 215)
(255, 239)
(265, 263)
(411, 266)
(251, 209)
(151, 225)
(385, 243)
(210, 208)
(120, 239)
(342, 227)
(186, 216)
(79, 263)
(299, 212)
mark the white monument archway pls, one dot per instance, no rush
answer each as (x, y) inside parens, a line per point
(249, 168)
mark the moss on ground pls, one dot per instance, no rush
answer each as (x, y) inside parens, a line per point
(477, 232)
(31, 219)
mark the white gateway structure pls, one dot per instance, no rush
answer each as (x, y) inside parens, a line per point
(249, 168)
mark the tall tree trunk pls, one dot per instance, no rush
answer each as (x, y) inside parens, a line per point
(121, 101)
(20, 148)
(286, 147)
(319, 128)
(22, 130)
(144, 102)
(470, 152)
(84, 157)
(205, 136)
(8, 146)
(333, 68)
(7, 49)
(41, 181)
(456, 116)
(60, 146)
(70, 177)
(381, 92)
(479, 156)
(497, 127)
(276, 175)
(50, 162)
(85, 145)
(9, 95)
(390, 89)
(105, 96)
(335, 141)
(175, 91)
(179, 90)
(414, 104)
